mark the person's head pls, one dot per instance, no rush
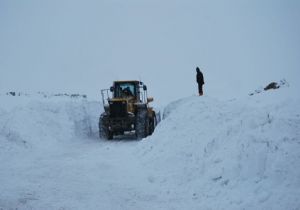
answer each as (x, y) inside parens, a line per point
(198, 69)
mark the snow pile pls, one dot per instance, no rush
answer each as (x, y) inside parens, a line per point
(239, 154)
(40, 122)
(205, 154)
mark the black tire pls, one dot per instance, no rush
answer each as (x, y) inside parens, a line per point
(141, 124)
(152, 124)
(104, 132)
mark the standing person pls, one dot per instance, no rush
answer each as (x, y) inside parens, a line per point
(200, 81)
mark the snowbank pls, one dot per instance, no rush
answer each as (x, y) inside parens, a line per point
(239, 154)
(39, 122)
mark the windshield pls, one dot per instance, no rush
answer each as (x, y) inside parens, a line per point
(125, 89)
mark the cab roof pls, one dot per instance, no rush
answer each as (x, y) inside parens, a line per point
(125, 81)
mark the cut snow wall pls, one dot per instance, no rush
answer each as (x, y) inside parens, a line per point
(28, 122)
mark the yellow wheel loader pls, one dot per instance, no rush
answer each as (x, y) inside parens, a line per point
(126, 109)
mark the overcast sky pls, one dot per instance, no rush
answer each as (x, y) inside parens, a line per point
(82, 46)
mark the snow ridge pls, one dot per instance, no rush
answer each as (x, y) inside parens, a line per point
(239, 154)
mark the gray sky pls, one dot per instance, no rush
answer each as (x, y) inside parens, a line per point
(82, 46)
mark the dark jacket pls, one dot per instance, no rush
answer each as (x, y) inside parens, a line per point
(200, 79)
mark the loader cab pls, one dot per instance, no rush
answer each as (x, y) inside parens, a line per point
(125, 89)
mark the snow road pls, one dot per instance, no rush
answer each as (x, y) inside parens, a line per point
(205, 154)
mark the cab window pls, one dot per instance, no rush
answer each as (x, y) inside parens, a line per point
(124, 90)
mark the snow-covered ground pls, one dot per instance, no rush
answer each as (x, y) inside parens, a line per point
(205, 154)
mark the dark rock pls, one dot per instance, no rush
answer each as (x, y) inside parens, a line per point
(12, 93)
(272, 85)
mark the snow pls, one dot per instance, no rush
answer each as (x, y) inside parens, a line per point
(242, 154)
(226, 150)
(205, 154)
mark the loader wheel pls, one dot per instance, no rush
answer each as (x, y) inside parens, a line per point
(152, 124)
(104, 132)
(141, 124)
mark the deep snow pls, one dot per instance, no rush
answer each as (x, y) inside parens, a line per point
(205, 154)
